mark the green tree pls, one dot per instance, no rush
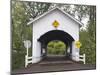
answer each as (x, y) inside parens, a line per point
(22, 13)
(56, 47)
(88, 37)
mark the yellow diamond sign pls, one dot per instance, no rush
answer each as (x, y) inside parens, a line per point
(78, 44)
(55, 24)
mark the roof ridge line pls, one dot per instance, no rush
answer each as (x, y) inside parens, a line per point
(40, 16)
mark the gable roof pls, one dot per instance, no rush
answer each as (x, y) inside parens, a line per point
(76, 20)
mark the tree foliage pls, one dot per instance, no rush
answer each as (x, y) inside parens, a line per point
(22, 12)
(56, 48)
(88, 37)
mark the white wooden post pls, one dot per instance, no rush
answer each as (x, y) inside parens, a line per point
(26, 61)
(27, 49)
(84, 58)
(27, 45)
(26, 57)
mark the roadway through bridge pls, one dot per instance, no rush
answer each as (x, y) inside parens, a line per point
(54, 64)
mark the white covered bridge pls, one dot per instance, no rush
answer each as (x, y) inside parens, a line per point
(54, 24)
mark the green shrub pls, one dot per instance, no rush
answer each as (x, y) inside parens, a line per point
(56, 47)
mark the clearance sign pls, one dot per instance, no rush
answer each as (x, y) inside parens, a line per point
(78, 44)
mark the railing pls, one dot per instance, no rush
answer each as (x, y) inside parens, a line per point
(82, 58)
(27, 60)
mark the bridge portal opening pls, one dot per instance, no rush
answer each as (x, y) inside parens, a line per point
(58, 39)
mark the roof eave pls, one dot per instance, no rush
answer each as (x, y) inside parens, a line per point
(80, 23)
(41, 16)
